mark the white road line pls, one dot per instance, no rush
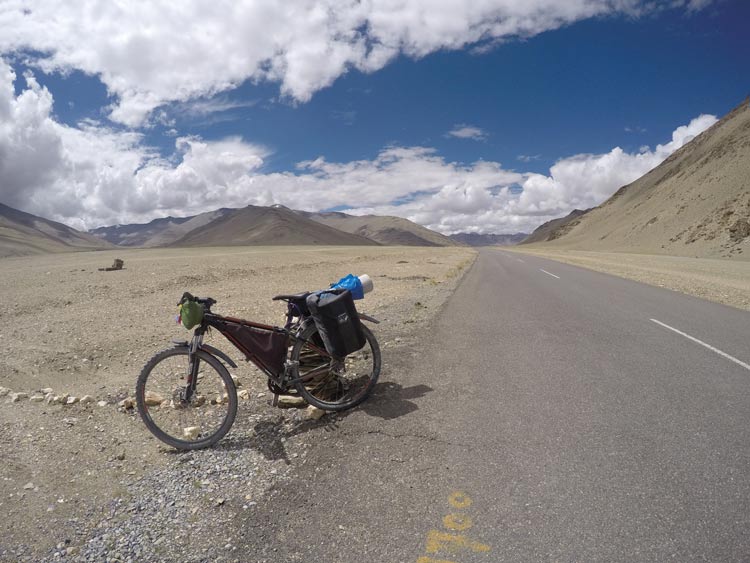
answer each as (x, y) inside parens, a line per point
(724, 354)
(519, 259)
(546, 272)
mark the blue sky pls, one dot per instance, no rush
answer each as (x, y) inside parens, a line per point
(474, 129)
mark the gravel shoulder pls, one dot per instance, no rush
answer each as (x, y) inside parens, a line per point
(721, 281)
(87, 482)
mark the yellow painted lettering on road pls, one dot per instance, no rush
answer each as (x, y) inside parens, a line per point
(457, 522)
(441, 541)
(459, 500)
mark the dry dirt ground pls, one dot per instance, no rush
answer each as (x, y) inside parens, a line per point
(88, 482)
(722, 281)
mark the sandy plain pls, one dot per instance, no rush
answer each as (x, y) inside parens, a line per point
(86, 483)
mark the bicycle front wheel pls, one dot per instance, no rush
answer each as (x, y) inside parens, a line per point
(334, 385)
(186, 421)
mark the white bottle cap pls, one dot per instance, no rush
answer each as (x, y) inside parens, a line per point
(366, 283)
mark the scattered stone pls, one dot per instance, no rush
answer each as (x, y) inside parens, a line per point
(291, 401)
(199, 400)
(128, 403)
(36, 398)
(220, 501)
(244, 394)
(4, 391)
(237, 382)
(71, 400)
(46, 390)
(86, 399)
(314, 413)
(70, 421)
(102, 404)
(49, 398)
(15, 397)
(261, 395)
(153, 399)
(191, 432)
(120, 455)
(28, 486)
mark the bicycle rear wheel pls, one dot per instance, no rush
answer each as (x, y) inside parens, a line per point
(334, 385)
(186, 424)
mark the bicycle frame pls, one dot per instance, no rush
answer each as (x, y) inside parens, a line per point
(292, 329)
(211, 320)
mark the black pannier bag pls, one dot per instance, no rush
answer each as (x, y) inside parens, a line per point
(268, 347)
(337, 321)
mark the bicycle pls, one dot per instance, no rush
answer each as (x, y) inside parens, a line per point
(187, 398)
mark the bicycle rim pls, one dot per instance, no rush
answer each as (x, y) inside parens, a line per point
(332, 385)
(186, 423)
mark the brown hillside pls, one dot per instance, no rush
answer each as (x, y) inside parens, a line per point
(267, 226)
(696, 203)
(23, 233)
(555, 228)
(392, 231)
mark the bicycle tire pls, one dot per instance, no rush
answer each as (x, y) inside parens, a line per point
(326, 389)
(172, 422)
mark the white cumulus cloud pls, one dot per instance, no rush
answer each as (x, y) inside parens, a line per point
(462, 131)
(149, 53)
(92, 175)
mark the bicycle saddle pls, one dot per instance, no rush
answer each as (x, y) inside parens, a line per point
(297, 297)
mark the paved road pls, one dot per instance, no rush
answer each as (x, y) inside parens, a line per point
(554, 414)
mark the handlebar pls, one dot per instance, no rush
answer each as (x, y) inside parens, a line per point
(207, 302)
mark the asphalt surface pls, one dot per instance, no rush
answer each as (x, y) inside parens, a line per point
(545, 417)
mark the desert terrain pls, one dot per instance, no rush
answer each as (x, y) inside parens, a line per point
(87, 482)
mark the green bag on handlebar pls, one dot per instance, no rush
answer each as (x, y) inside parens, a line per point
(191, 314)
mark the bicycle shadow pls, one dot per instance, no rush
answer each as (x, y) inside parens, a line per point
(268, 436)
(391, 400)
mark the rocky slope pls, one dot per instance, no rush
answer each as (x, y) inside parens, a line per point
(696, 203)
(22, 233)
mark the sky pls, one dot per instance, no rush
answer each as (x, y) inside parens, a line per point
(489, 116)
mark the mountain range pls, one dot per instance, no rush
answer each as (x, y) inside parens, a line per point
(695, 203)
(476, 239)
(23, 233)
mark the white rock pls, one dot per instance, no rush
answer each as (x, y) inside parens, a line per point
(28, 486)
(15, 397)
(314, 413)
(86, 399)
(36, 398)
(244, 394)
(191, 432)
(153, 399)
(48, 398)
(46, 390)
(237, 382)
(71, 400)
(4, 391)
(261, 395)
(128, 403)
(291, 401)
(102, 404)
